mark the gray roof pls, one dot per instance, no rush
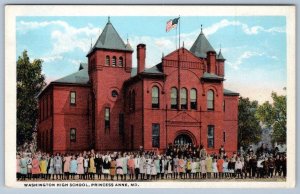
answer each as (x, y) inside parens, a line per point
(230, 93)
(211, 76)
(79, 77)
(152, 70)
(201, 46)
(220, 56)
(110, 39)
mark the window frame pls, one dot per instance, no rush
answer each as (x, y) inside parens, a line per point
(73, 136)
(212, 101)
(210, 137)
(107, 119)
(153, 98)
(155, 137)
(114, 61)
(174, 106)
(73, 103)
(107, 60)
(193, 102)
(184, 106)
(120, 62)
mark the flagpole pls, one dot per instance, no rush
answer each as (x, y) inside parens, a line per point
(179, 31)
(179, 90)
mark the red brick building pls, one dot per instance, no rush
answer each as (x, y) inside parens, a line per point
(109, 105)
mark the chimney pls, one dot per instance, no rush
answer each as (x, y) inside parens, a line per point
(141, 56)
(211, 60)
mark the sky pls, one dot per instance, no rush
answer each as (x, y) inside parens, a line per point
(254, 47)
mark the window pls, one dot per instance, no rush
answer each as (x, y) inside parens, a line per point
(107, 119)
(210, 136)
(155, 97)
(114, 93)
(224, 136)
(73, 135)
(73, 98)
(107, 61)
(173, 98)
(120, 62)
(193, 97)
(155, 135)
(210, 100)
(183, 98)
(121, 124)
(114, 60)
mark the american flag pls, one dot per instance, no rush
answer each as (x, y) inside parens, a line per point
(172, 23)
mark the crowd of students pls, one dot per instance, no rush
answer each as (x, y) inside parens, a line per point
(178, 162)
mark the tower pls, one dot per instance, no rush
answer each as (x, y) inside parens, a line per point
(110, 64)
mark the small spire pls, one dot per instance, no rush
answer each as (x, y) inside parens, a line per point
(201, 30)
(183, 44)
(91, 42)
(108, 19)
(162, 55)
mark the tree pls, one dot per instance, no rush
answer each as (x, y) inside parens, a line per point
(30, 82)
(248, 125)
(274, 116)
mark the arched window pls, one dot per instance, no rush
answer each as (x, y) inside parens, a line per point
(155, 97)
(114, 61)
(107, 61)
(210, 100)
(120, 62)
(183, 98)
(173, 98)
(193, 96)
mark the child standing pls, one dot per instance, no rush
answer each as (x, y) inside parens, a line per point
(215, 168)
(73, 167)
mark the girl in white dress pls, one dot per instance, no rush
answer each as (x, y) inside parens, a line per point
(214, 168)
(194, 166)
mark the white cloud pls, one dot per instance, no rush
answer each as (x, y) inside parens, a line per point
(241, 58)
(51, 58)
(245, 27)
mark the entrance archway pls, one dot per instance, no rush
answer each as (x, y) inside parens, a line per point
(183, 139)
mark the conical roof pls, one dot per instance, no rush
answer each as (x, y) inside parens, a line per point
(220, 56)
(110, 39)
(201, 46)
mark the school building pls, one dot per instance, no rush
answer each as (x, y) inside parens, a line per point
(109, 105)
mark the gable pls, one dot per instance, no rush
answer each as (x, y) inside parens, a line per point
(185, 55)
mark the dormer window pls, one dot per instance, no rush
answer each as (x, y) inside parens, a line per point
(120, 62)
(114, 60)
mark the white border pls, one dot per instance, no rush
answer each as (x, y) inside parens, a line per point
(12, 11)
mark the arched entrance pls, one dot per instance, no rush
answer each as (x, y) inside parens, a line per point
(183, 139)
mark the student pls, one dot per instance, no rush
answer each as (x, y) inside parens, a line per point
(231, 167)
(142, 167)
(137, 166)
(92, 167)
(29, 166)
(80, 168)
(189, 167)
(119, 163)
(58, 163)
(18, 166)
(148, 166)
(162, 163)
(73, 167)
(220, 162)
(265, 164)
(198, 168)
(50, 167)
(215, 168)
(23, 167)
(271, 167)
(209, 166)
(67, 160)
(113, 165)
(131, 167)
(153, 169)
(253, 165)
(35, 167)
(180, 167)
(43, 167)
(203, 167)
(106, 167)
(175, 166)
(225, 168)
(98, 164)
(278, 169)
(157, 164)
(260, 167)
(169, 167)
(86, 166)
(193, 168)
(125, 166)
(238, 168)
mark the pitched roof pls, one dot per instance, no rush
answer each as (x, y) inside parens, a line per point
(211, 76)
(201, 46)
(79, 77)
(230, 93)
(152, 70)
(220, 56)
(110, 39)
